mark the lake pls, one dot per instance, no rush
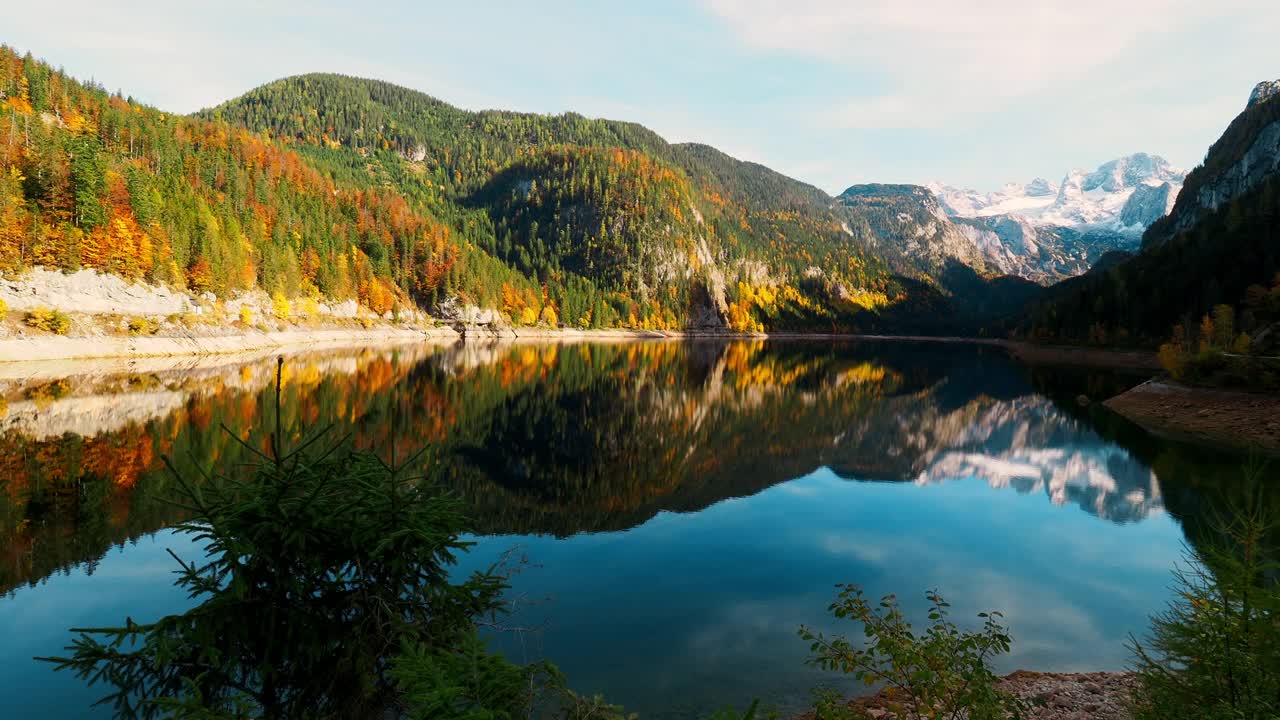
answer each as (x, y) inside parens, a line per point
(676, 509)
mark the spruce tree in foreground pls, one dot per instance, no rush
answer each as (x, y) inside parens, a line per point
(1215, 652)
(325, 592)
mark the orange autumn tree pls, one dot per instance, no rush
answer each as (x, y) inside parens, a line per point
(14, 221)
(120, 245)
(91, 179)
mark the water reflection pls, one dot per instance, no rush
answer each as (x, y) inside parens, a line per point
(687, 504)
(556, 439)
(1029, 445)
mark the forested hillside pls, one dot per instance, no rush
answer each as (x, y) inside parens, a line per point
(607, 215)
(95, 180)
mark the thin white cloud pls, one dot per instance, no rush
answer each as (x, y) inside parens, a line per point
(188, 56)
(974, 93)
(939, 60)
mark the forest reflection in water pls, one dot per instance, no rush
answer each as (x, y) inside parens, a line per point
(552, 442)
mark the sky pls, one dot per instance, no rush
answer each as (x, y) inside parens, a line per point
(973, 93)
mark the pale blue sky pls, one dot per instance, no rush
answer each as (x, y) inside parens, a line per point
(832, 92)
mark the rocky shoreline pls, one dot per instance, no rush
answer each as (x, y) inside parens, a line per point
(1224, 418)
(45, 348)
(110, 317)
(1052, 696)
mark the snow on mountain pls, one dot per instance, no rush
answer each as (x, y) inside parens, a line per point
(1046, 232)
(1082, 198)
(1027, 200)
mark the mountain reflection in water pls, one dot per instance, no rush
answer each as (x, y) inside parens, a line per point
(550, 445)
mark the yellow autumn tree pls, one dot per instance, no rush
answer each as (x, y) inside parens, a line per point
(280, 306)
(118, 246)
(14, 221)
(549, 317)
(1241, 344)
(200, 275)
(1206, 333)
(1173, 354)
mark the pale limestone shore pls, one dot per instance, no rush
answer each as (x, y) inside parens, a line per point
(100, 305)
(45, 348)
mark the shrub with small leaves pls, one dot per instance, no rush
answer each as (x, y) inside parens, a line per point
(469, 682)
(141, 326)
(751, 713)
(309, 307)
(943, 672)
(280, 306)
(461, 683)
(48, 320)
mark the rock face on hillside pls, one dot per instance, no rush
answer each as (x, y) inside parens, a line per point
(907, 227)
(1047, 232)
(93, 293)
(88, 291)
(1147, 204)
(1257, 163)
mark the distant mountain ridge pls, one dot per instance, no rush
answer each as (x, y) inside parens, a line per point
(1097, 197)
(907, 227)
(1049, 231)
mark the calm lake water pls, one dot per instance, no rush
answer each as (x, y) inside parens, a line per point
(682, 507)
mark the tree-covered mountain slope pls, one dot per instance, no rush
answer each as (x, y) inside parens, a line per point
(91, 179)
(1219, 246)
(762, 249)
(681, 231)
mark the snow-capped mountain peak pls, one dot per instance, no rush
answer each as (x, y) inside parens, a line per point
(1040, 188)
(1047, 231)
(1083, 198)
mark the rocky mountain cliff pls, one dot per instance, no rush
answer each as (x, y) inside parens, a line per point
(907, 227)
(1246, 156)
(1264, 90)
